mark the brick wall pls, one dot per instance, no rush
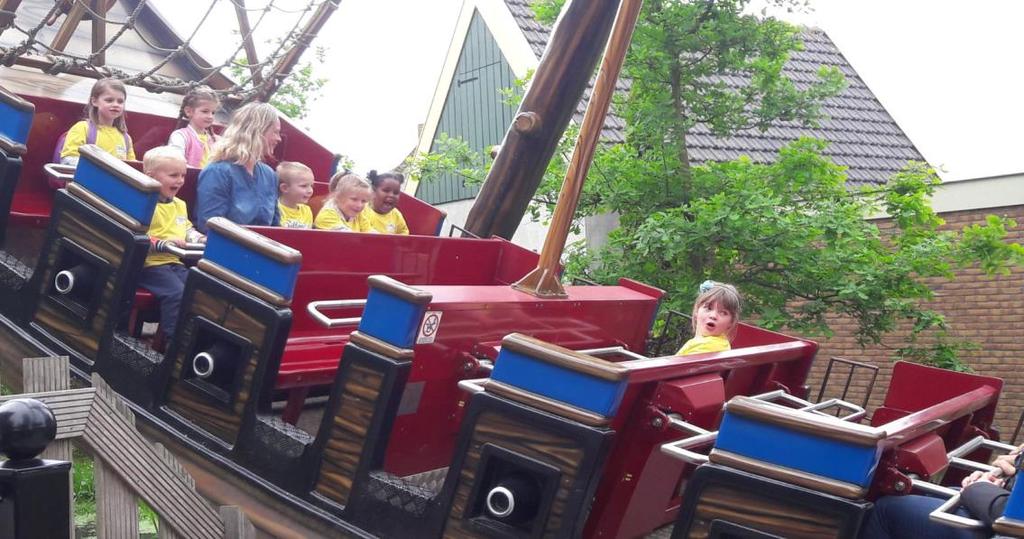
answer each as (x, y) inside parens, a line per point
(983, 309)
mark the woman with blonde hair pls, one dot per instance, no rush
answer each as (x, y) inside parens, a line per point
(237, 184)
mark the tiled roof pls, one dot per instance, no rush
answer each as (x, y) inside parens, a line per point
(862, 135)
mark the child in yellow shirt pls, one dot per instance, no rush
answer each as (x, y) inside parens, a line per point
(295, 186)
(105, 125)
(716, 313)
(163, 274)
(349, 195)
(382, 214)
(197, 138)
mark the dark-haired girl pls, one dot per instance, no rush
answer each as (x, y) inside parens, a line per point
(381, 214)
(197, 138)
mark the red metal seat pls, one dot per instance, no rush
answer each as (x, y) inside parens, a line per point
(31, 209)
(307, 362)
(145, 308)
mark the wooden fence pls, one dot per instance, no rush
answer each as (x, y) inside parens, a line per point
(126, 466)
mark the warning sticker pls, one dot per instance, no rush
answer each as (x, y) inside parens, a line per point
(428, 330)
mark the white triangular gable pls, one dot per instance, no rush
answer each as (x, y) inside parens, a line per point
(511, 41)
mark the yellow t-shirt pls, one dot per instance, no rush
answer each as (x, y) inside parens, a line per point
(300, 217)
(391, 222)
(108, 138)
(170, 222)
(700, 345)
(207, 150)
(329, 218)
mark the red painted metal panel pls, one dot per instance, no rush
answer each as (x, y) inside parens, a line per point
(908, 392)
(638, 490)
(424, 439)
(335, 265)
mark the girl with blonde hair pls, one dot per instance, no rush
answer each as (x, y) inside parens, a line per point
(350, 193)
(237, 184)
(716, 315)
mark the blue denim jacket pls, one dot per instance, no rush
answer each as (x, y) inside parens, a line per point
(227, 190)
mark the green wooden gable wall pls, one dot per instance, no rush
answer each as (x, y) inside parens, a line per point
(474, 110)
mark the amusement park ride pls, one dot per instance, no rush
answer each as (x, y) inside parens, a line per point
(469, 394)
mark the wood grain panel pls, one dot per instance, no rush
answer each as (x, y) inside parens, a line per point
(527, 440)
(344, 447)
(112, 438)
(761, 513)
(13, 348)
(83, 338)
(217, 419)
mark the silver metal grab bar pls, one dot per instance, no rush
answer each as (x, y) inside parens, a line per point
(65, 173)
(682, 449)
(473, 385)
(944, 513)
(979, 442)
(191, 251)
(313, 308)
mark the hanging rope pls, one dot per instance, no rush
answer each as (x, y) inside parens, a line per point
(56, 61)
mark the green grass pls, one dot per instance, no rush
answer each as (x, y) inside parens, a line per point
(83, 477)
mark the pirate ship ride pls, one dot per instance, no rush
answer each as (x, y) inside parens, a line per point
(469, 393)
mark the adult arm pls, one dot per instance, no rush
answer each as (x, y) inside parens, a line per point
(213, 194)
(985, 501)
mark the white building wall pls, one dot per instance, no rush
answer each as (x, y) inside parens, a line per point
(530, 234)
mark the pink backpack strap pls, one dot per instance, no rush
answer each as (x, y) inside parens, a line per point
(194, 148)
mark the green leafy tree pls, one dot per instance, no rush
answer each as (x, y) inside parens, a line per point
(298, 91)
(792, 235)
(800, 245)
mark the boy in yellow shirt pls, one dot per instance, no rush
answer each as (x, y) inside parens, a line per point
(163, 274)
(295, 186)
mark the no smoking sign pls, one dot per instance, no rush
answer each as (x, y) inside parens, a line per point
(428, 329)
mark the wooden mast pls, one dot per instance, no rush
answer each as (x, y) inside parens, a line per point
(544, 281)
(554, 92)
(284, 66)
(250, 48)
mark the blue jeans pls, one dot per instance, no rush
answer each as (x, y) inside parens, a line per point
(907, 516)
(167, 283)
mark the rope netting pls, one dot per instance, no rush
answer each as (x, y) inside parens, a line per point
(252, 79)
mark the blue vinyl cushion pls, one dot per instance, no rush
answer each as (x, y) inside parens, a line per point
(14, 123)
(251, 265)
(138, 204)
(391, 319)
(772, 444)
(1015, 505)
(578, 389)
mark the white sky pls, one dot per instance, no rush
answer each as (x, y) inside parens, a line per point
(948, 71)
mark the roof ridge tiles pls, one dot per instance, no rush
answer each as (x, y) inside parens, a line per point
(855, 122)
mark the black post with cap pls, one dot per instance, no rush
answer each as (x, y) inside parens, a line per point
(34, 497)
